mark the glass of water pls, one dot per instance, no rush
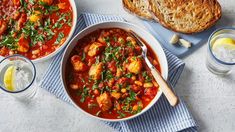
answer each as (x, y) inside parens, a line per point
(221, 51)
(17, 77)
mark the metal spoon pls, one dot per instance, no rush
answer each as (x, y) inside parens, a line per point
(171, 97)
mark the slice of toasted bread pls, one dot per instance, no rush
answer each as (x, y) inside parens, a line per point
(186, 16)
(138, 7)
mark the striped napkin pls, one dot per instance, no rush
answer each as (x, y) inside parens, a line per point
(160, 118)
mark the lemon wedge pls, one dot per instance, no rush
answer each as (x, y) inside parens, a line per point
(227, 43)
(9, 78)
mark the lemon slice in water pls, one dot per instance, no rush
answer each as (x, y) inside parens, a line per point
(227, 43)
(9, 78)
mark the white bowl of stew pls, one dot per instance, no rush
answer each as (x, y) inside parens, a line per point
(104, 75)
(36, 29)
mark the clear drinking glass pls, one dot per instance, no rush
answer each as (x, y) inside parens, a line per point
(17, 77)
(222, 60)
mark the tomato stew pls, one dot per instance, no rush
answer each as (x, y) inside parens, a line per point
(33, 28)
(107, 77)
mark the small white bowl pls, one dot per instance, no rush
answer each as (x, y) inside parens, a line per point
(149, 39)
(44, 58)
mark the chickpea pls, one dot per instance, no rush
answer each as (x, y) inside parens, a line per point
(11, 52)
(133, 78)
(138, 83)
(34, 52)
(148, 85)
(123, 90)
(74, 86)
(135, 107)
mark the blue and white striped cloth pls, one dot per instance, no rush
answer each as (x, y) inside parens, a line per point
(160, 118)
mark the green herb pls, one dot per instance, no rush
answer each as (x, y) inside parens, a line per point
(83, 56)
(144, 74)
(121, 115)
(62, 20)
(32, 2)
(9, 42)
(132, 95)
(115, 39)
(48, 8)
(97, 59)
(84, 94)
(103, 75)
(59, 38)
(119, 85)
(128, 75)
(107, 88)
(108, 75)
(148, 79)
(95, 86)
(107, 39)
(83, 80)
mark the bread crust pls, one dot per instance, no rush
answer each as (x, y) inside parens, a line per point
(186, 16)
(139, 8)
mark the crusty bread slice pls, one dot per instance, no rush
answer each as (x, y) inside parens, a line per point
(138, 7)
(186, 16)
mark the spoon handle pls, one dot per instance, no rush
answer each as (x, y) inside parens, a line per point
(170, 95)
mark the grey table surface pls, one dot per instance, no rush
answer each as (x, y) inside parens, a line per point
(210, 98)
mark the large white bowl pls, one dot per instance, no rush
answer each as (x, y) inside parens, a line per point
(74, 9)
(149, 39)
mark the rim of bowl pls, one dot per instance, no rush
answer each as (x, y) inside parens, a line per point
(34, 74)
(163, 58)
(209, 45)
(44, 58)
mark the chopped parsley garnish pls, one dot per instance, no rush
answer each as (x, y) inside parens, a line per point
(121, 115)
(128, 75)
(59, 38)
(84, 94)
(83, 56)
